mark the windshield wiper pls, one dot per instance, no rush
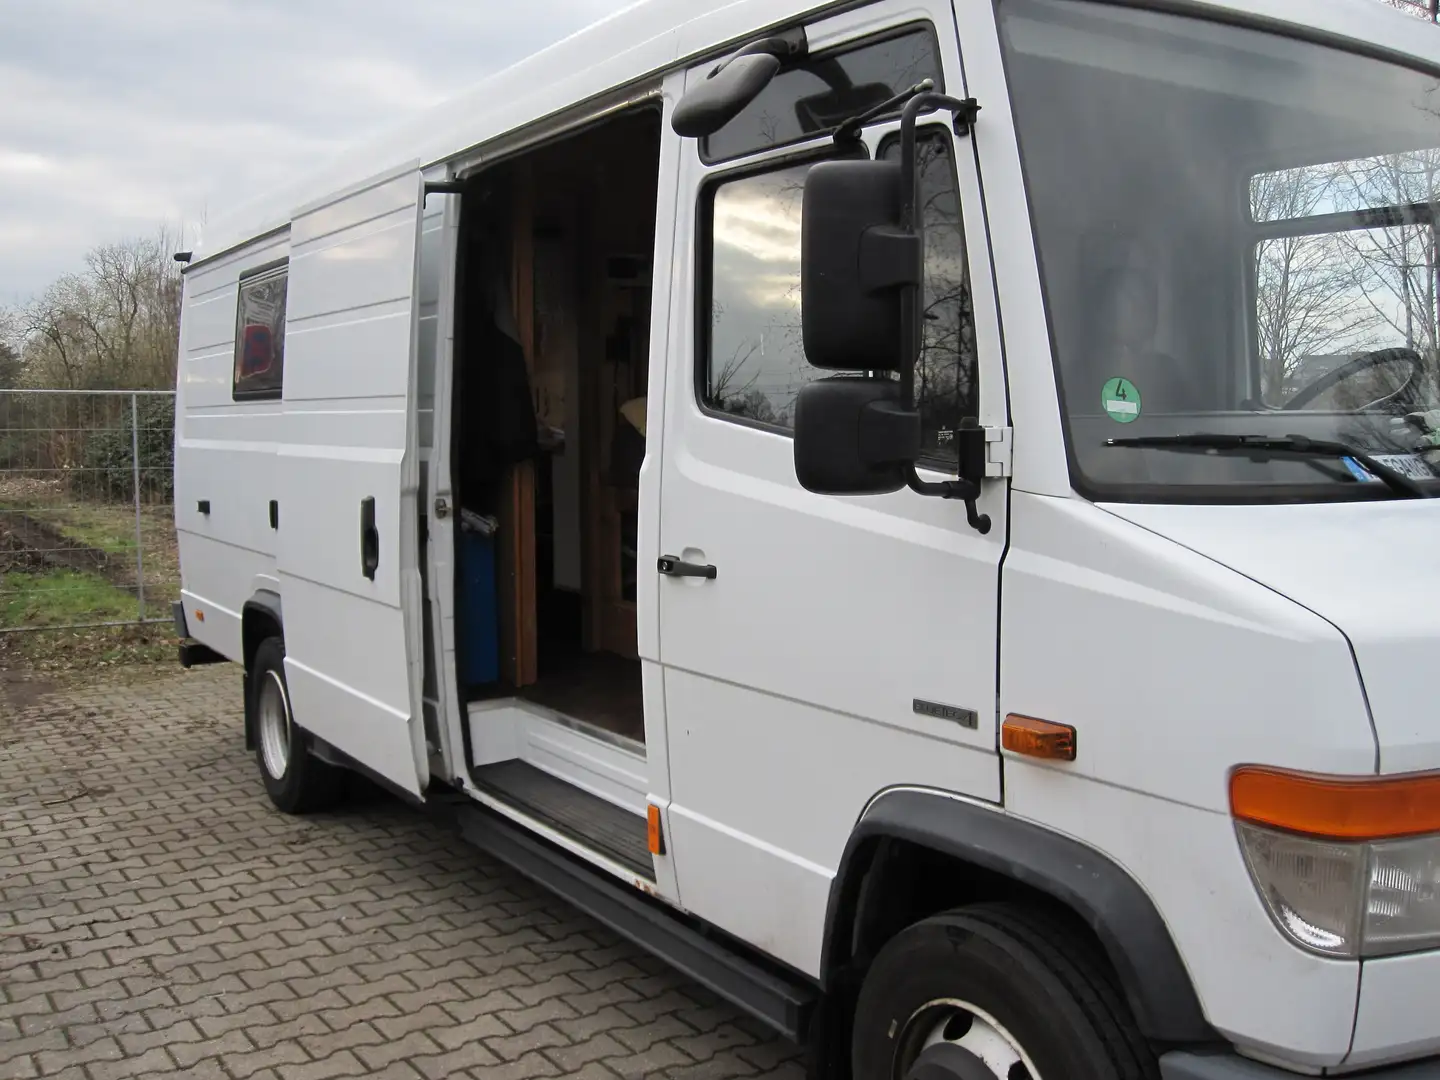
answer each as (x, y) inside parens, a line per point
(1395, 480)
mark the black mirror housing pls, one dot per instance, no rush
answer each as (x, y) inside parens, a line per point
(853, 436)
(857, 261)
(708, 107)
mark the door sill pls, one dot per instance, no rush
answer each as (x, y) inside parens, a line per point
(512, 729)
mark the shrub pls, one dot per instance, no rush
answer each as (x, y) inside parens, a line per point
(109, 460)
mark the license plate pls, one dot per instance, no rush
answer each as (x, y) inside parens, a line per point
(1407, 465)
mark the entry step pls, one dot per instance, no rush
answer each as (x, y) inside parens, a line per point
(599, 825)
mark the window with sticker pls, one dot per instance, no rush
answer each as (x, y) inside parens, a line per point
(260, 335)
(1238, 245)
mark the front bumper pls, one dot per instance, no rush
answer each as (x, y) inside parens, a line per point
(1181, 1065)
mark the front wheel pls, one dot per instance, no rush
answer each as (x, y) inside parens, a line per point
(296, 781)
(994, 992)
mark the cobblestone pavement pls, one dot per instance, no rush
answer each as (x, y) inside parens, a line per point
(159, 918)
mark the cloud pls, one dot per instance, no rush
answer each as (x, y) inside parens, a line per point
(121, 117)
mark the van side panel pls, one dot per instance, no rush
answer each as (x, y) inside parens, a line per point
(224, 455)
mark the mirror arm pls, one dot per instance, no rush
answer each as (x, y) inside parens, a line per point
(849, 131)
(966, 490)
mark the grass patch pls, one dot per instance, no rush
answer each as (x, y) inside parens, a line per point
(45, 604)
(110, 529)
(62, 596)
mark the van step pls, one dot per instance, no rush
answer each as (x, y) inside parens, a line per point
(599, 825)
(781, 1001)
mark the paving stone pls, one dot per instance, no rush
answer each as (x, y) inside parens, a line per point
(178, 926)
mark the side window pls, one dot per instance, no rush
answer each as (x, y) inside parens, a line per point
(826, 89)
(947, 374)
(754, 359)
(260, 335)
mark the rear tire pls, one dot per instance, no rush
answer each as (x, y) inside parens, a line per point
(296, 781)
(994, 991)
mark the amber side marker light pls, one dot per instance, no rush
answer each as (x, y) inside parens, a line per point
(654, 835)
(1038, 738)
(1337, 807)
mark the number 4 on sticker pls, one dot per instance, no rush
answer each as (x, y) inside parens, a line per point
(1121, 400)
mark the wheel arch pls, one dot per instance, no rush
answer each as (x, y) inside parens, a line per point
(995, 851)
(260, 618)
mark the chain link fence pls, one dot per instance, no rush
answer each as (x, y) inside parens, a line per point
(87, 529)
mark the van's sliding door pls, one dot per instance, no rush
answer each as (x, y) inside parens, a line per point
(349, 473)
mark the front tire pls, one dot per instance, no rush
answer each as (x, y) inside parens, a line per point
(994, 992)
(296, 781)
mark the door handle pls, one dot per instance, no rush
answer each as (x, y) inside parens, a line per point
(369, 538)
(670, 566)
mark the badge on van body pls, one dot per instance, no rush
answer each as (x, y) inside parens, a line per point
(966, 718)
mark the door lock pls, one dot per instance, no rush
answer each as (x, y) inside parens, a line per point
(442, 508)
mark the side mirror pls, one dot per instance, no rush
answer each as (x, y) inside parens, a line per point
(862, 241)
(858, 261)
(712, 104)
(735, 83)
(854, 436)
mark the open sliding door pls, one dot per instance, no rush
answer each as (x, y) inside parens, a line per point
(349, 476)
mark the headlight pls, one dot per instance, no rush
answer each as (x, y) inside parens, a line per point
(1345, 866)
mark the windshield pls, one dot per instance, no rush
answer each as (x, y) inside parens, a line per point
(1237, 234)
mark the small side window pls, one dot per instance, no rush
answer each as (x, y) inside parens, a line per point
(260, 335)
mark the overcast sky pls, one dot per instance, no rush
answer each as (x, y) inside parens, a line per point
(122, 115)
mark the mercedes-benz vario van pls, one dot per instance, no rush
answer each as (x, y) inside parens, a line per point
(917, 512)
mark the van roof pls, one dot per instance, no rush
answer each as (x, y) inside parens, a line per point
(644, 40)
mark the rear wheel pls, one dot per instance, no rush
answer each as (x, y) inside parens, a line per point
(994, 992)
(296, 781)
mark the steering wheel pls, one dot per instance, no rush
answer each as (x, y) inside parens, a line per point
(1357, 366)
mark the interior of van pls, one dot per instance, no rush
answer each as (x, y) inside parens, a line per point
(551, 366)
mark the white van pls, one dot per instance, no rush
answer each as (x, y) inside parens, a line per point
(914, 512)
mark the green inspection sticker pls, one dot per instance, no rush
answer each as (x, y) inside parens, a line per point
(1121, 401)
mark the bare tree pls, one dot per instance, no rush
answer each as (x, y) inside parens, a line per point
(11, 367)
(1306, 302)
(1395, 267)
(114, 324)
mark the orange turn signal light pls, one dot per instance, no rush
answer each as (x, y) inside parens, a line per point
(654, 835)
(1337, 807)
(1038, 738)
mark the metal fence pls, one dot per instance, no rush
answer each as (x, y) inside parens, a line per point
(87, 530)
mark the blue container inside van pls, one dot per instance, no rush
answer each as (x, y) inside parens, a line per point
(479, 628)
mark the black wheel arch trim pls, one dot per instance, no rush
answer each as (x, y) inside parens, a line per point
(1153, 976)
(267, 603)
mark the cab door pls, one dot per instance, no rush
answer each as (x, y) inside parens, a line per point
(348, 476)
(816, 650)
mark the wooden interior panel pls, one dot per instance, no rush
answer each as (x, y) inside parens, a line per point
(519, 642)
(589, 201)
